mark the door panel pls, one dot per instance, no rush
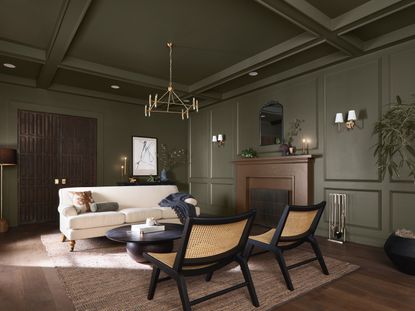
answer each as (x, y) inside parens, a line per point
(50, 147)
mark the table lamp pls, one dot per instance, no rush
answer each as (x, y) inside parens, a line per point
(8, 157)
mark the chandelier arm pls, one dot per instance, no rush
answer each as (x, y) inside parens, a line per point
(182, 102)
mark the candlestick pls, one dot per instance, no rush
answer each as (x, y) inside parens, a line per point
(122, 170)
(303, 145)
(307, 146)
(125, 165)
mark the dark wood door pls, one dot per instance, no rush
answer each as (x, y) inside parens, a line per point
(52, 148)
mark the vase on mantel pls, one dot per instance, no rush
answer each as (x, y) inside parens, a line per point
(163, 175)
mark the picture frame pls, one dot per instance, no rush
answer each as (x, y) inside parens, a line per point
(144, 156)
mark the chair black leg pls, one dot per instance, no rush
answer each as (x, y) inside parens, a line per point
(209, 276)
(248, 250)
(248, 280)
(284, 270)
(319, 255)
(153, 283)
(184, 297)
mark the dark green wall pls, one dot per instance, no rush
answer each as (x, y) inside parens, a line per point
(345, 164)
(117, 122)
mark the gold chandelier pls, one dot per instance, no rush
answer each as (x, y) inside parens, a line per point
(170, 102)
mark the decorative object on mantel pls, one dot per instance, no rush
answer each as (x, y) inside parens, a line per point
(169, 159)
(306, 145)
(219, 140)
(337, 217)
(293, 131)
(248, 153)
(400, 248)
(170, 102)
(124, 166)
(396, 145)
(8, 157)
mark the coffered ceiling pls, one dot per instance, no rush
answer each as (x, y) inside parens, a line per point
(85, 46)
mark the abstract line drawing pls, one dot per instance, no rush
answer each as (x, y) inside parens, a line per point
(144, 156)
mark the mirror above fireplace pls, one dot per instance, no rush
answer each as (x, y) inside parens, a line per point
(271, 124)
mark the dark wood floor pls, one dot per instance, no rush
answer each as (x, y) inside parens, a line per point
(27, 281)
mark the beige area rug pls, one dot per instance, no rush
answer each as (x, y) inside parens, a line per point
(99, 275)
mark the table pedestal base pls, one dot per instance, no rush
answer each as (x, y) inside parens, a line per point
(136, 250)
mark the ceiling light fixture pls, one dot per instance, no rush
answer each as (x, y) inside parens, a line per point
(8, 65)
(115, 87)
(170, 102)
(253, 73)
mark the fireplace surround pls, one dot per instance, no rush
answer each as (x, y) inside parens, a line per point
(291, 173)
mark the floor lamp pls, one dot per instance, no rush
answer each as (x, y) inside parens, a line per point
(7, 157)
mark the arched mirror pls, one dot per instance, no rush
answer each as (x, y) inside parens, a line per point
(271, 124)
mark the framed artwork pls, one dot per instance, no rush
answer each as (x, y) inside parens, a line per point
(144, 159)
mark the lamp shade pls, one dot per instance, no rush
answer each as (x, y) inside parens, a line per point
(339, 118)
(351, 115)
(8, 156)
(214, 139)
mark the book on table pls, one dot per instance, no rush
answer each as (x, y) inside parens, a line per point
(144, 228)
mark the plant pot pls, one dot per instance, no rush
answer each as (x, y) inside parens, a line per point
(401, 251)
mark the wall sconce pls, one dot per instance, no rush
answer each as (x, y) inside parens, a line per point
(218, 139)
(124, 166)
(350, 120)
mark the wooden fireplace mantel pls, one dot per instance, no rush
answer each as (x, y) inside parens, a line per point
(292, 173)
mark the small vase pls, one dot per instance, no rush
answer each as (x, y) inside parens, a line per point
(284, 149)
(163, 175)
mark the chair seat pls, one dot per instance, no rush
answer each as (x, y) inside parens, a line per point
(266, 238)
(169, 258)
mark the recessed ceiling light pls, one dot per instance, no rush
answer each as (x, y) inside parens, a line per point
(253, 73)
(115, 87)
(8, 65)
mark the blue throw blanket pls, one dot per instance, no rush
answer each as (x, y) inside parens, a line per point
(182, 209)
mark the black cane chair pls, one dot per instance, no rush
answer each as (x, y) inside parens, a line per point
(296, 226)
(207, 245)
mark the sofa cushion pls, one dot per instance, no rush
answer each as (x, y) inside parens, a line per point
(137, 214)
(168, 212)
(91, 220)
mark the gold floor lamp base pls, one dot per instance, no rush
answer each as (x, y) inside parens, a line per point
(4, 226)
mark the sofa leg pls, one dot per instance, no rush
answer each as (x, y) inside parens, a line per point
(63, 238)
(72, 245)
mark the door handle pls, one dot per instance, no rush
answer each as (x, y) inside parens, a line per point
(63, 181)
(56, 181)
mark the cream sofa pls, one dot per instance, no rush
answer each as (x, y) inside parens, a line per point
(136, 203)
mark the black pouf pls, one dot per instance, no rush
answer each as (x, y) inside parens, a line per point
(402, 253)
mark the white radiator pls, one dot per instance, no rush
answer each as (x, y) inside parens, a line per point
(337, 217)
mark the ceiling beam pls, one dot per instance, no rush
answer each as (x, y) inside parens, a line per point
(304, 21)
(21, 51)
(73, 12)
(292, 46)
(79, 65)
(367, 13)
(288, 74)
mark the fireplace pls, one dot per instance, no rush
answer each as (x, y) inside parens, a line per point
(293, 174)
(269, 205)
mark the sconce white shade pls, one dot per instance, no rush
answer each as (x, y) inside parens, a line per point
(220, 137)
(214, 139)
(351, 115)
(339, 118)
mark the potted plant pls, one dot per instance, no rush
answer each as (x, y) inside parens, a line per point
(248, 153)
(293, 130)
(396, 130)
(394, 150)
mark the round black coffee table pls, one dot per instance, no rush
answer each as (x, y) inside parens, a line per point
(137, 244)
